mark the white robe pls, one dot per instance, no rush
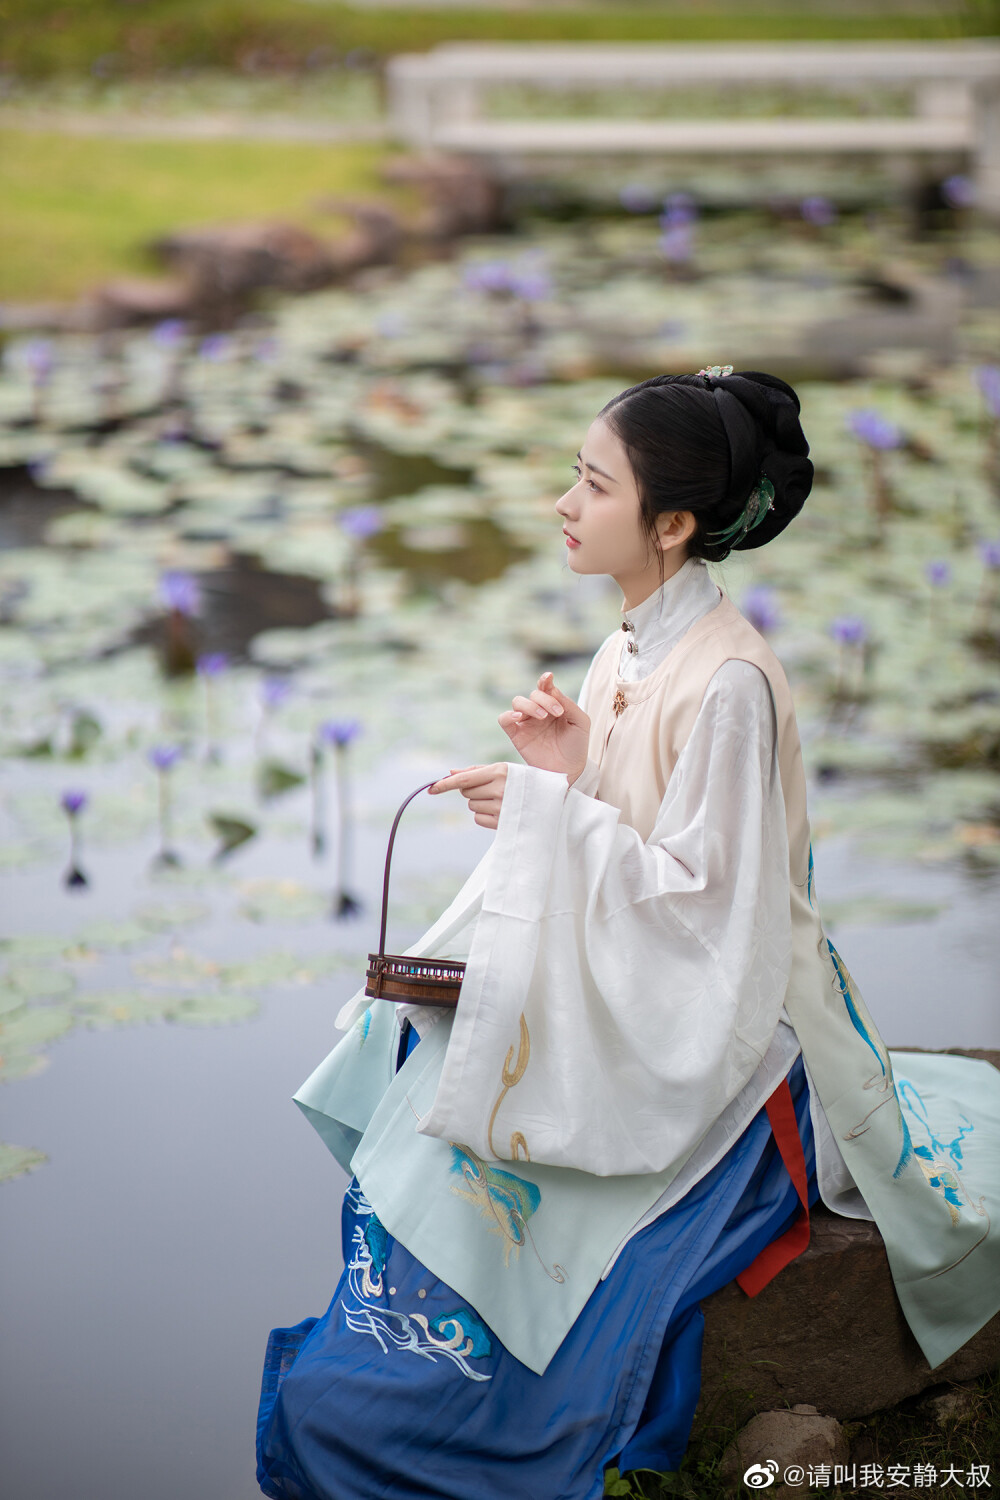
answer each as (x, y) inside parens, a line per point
(663, 964)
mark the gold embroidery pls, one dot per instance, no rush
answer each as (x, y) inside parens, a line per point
(509, 1077)
(620, 703)
(518, 1143)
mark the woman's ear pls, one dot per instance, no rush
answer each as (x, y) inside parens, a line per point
(674, 528)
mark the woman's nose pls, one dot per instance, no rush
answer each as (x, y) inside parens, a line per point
(566, 504)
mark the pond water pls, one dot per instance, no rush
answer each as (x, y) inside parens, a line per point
(361, 556)
(187, 1207)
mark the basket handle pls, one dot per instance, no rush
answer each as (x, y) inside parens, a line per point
(388, 858)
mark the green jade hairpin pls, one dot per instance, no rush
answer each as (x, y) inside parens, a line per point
(760, 502)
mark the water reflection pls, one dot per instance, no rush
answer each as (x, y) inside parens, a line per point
(27, 508)
(432, 552)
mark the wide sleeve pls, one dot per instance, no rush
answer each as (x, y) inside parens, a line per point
(619, 994)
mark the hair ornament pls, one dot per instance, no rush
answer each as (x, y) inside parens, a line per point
(716, 372)
(760, 502)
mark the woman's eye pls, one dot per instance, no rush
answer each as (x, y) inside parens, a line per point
(592, 485)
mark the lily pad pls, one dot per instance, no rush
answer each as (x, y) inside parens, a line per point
(167, 916)
(282, 901)
(16, 1160)
(11, 1000)
(231, 832)
(878, 911)
(25, 1030)
(271, 969)
(39, 984)
(15, 1065)
(107, 935)
(33, 945)
(180, 968)
(275, 778)
(100, 1009)
(213, 1010)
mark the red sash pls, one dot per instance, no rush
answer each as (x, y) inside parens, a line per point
(775, 1256)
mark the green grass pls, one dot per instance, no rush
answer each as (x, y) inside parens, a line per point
(77, 210)
(42, 37)
(907, 1434)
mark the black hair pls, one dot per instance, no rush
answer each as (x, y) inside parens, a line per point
(702, 443)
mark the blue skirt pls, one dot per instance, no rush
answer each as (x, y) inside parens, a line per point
(376, 1401)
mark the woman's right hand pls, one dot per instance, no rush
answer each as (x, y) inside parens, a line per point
(548, 730)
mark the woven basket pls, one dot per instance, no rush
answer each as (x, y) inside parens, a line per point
(393, 976)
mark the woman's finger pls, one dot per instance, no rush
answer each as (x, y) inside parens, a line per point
(472, 776)
(547, 683)
(457, 780)
(546, 701)
(530, 709)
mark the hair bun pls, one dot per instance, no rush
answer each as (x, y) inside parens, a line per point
(783, 451)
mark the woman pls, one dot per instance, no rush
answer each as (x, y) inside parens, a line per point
(618, 1118)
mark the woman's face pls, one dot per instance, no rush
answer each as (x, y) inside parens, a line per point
(603, 524)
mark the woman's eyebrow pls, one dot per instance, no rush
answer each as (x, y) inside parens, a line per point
(595, 470)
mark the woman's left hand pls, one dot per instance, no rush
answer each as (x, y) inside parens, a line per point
(481, 786)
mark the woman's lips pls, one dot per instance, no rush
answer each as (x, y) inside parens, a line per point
(571, 541)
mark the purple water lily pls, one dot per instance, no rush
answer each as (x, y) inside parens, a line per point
(851, 634)
(73, 801)
(870, 427)
(39, 358)
(989, 588)
(361, 521)
(209, 666)
(678, 208)
(987, 378)
(212, 663)
(169, 333)
(164, 757)
(487, 276)
(760, 607)
(959, 191)
(677, 244)
(527, 277)
(677, 228)
(179, 592)
(215, 347)
(530, 279)
(849, 630)
(339, 732)
(274, 691)
(938, 573)
(818, 211)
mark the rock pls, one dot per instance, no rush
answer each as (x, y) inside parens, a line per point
(950, 1407)
(461, 197)
(828, 1330)
(141, 299)
(227, 264)
(776, 1441)
(374, 240)
(43, 317)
